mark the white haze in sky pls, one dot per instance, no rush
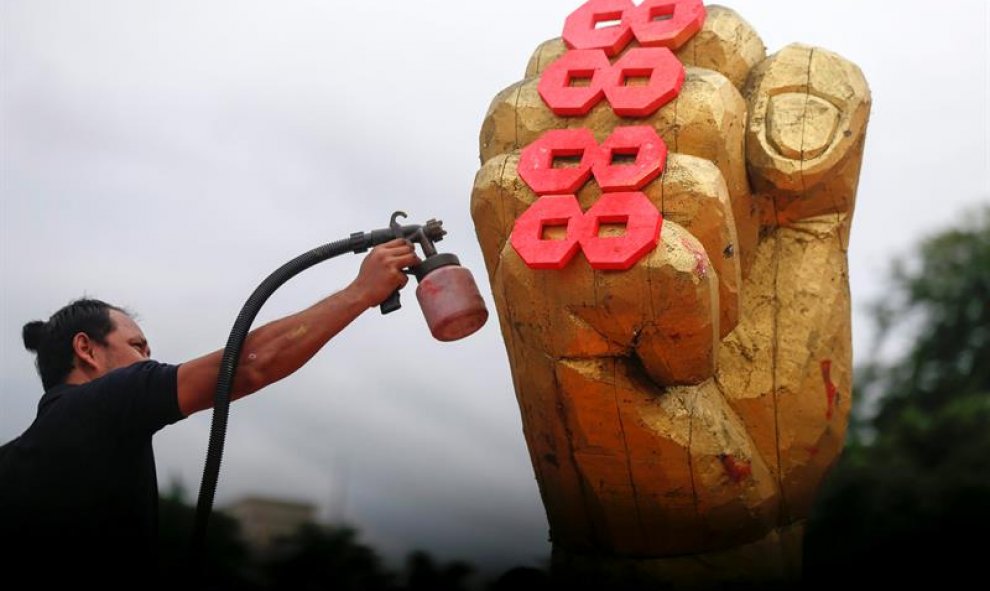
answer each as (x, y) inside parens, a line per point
(167, 155)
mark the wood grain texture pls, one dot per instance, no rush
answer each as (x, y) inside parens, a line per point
(681, 414)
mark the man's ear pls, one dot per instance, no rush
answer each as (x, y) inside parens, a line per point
(83, 347)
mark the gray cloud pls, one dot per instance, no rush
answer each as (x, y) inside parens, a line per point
(168, 155)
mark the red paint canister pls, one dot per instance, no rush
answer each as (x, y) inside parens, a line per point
(449, 298)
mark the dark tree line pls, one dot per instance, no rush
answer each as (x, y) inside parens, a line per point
(315, 557)
(910, 499)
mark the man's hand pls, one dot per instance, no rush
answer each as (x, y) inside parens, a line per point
(381, 271)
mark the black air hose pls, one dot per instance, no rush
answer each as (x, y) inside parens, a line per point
(358, 242)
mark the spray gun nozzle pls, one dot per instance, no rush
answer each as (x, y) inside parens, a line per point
(433, 229)
(426, 234)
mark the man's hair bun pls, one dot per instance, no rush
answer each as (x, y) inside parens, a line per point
(33, 333)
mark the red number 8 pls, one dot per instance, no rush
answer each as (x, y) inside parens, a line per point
(611, 24)
(665, 74)
(641, 141)
(618, 253)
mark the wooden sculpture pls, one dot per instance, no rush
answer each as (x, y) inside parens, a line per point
(666, 243)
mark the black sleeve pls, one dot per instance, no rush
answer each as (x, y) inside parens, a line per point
(144, 396)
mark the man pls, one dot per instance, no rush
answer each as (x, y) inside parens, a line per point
(78, 489)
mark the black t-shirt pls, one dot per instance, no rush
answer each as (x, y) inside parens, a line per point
(79, 488)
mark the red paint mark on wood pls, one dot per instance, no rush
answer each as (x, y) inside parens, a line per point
(738, 470)
(700, 264)
(700, 259)
(830, 391)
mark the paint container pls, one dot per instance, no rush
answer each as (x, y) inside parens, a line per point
(449, 298)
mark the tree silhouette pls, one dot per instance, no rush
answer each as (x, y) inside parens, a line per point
(318, 557)
(227, 556)
(910, 499)
(423, 574)
(314, 557)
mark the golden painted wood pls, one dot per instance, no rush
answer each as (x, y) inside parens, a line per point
(690, 406)
(726, 44)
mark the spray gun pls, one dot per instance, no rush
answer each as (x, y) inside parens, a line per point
(447, 294)
(432, 231)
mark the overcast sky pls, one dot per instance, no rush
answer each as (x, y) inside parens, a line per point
(167, 155)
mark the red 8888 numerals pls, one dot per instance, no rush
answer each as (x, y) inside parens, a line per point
(596, 30)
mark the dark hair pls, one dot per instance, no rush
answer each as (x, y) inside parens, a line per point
(52, 340)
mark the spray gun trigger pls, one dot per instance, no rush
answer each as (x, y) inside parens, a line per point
(391, 304)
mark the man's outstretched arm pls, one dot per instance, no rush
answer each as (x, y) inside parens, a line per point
(279, 348)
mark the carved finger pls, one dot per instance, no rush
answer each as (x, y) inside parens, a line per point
(808, 113)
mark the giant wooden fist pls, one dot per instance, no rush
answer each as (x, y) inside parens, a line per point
(685, 400)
